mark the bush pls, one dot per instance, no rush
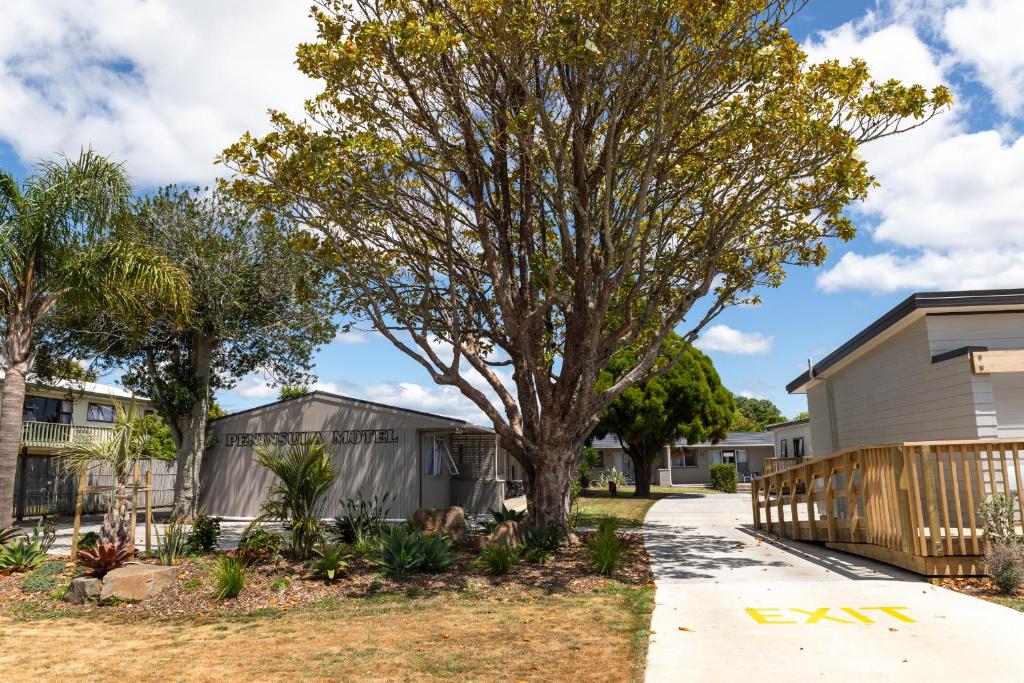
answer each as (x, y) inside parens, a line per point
(1004, 560)
(26, 552)
(437, 552)
(9, 533)
(228, 579)
(330, 561)
(360, 518)
(498, 559)
(996, 514)
(260, 545)
(613, 476)
(171, 545)
(400, 550)
(605, 548)
(547, 537)
(723, 478)
(88, 540)
(106, 557)
(205, 533)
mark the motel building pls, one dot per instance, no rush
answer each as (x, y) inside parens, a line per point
(420, 459)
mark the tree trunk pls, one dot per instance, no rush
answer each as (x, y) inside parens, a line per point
(191, 439)
(11, 411)
(547, 493)
(117, 522)
(644, 469)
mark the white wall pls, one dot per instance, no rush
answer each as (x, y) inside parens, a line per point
(788, 433)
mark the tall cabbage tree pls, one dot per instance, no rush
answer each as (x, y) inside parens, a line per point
(60, 248)
(128, 443)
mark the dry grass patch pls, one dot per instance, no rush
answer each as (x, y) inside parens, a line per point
(497, 633)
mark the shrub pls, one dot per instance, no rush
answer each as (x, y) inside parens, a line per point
(296, 500)
(1004, 560)
(614, 476)
(547, 537)
(400, 550)
(43, 578)
(498, 559)
(27, 552)
(105, 557)
(723, 477)
(437, 552)
(228, 578)
(360, 518)
(205, 533)
(605, 548)
(9, 533)
(88, 540)
(260, 545)
(503, 515)
(365, 545)
(330, 561)
(537, 555)
(996, 514)
(171, 545)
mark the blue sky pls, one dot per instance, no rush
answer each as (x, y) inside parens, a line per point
(165, 86)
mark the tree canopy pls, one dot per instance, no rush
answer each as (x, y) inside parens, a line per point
(539, 186)
(687, 401)
(754, 414)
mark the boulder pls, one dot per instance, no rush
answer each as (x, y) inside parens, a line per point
(507, 533)
(450, 521)
(82, 590)
(137, 581)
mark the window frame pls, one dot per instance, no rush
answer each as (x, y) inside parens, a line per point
(784, 448)
(798, 452)
(89, 412)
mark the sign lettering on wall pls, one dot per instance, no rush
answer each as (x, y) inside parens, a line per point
(334, 438)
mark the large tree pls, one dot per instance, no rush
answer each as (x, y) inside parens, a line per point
(754, 414)
(688, 401)
(538, 186)
(258, 305)
(61, 253)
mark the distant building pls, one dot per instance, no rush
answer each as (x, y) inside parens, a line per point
(939, 366)
(792, 438)
(684, 463)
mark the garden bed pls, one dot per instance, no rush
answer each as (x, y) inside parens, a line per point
(984, 588)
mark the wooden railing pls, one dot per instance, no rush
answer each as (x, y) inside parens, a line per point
(55, 435)
(910, 504)
(781, 463)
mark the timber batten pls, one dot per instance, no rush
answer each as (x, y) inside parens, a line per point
(911, 504)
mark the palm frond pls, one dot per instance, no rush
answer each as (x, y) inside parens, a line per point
(121, 452)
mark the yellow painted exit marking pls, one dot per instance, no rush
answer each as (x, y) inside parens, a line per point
(849, 615)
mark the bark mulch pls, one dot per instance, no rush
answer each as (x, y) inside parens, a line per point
(287, 584)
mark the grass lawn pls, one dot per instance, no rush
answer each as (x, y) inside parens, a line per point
(1012, 603)
(472, 635)
(597, 504)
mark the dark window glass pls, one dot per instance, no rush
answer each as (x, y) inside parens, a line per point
(99, 412)
(798, 446)
(45, 409)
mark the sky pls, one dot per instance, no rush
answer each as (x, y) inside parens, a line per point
(164, 86)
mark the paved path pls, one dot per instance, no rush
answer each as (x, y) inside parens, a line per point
(731, 607)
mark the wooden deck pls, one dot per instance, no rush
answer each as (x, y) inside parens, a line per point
(913, 505)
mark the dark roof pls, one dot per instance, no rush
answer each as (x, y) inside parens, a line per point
(788, 423)
(327, 394)
(914, 302)
(735, 439)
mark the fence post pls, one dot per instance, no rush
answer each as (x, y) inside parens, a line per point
(82, 479)
(931, 502)
(135, 502)
(756, 503)
(902, 478)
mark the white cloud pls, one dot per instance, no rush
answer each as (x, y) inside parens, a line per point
(948, 210)
(351, 337)
(726, 339)
(253, 387)
(163, 86)
(985, 36)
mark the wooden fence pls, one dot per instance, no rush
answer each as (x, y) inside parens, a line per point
(781, 463)
(914, 505)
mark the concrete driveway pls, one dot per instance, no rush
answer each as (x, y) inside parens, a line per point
(731, 607)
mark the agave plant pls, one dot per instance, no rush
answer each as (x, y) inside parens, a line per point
(400, 551)
(9, 533)
(22, 555)
(106, 557)
(331, 560)
(172, 544)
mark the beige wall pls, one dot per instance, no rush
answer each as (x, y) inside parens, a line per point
(790, 432)
(234, 485)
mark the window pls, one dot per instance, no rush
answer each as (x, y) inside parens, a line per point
(434, 458)
(798, 446)
(44, 409)
(783, 448)
(685, 459)
(100, 412)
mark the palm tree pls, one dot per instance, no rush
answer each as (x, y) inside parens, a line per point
(126, 446)
(59, 247)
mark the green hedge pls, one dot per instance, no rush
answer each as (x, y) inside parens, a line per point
(723, 478)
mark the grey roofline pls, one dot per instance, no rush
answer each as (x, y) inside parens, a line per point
(787, 423)
(327, 394)
(914, 302)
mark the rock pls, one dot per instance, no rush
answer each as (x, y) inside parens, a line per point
(450, 521)
(507, 533)
(82, 590)
(137, 581)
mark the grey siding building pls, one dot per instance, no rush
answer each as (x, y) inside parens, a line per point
(939, 366)
(420, 459)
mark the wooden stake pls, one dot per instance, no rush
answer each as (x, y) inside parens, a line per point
(149, 506)
(82, 478)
